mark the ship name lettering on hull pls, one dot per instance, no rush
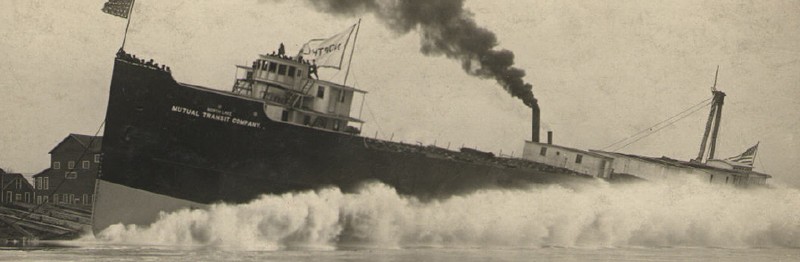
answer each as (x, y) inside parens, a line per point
(215, 116)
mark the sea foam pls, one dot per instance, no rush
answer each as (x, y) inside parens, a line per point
(595, 215)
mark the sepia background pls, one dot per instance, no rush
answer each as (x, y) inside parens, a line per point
(601, 71)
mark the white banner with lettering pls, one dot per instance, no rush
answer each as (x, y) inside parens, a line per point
(328, 52)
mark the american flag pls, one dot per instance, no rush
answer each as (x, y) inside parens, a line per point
(747, 157)
(119, 8)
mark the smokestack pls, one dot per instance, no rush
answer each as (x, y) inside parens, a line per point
(549, 137)
(446, 28)
(535, 124)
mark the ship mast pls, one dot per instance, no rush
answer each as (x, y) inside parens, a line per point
(714, 117)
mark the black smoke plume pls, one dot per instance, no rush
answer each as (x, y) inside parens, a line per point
(446, 28)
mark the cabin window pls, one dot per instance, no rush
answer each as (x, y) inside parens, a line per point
(291, 71)
(272, 67)
(249, 75)
(97, 158)
(56, 165)
(321, 92)
(578, 159)
(543, 151)
(282, 69)
(71, 165)
(726, 179)
(285, 116)
(336, 125)
(299, 72)
(306, 120)
(86, 164)
(71, 175)
(341, 96)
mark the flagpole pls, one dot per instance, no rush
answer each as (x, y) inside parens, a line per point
(130, 13)
(353, 50)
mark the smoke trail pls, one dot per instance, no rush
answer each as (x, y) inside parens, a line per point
(446, 28)
(601, 215)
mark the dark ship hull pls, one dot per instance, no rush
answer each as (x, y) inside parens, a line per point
(169, 145)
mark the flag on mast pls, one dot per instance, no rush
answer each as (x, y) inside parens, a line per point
(328, 52)
(121, 8)
(747, 157)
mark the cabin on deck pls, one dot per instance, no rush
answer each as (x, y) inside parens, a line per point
(14, 188)
(292, 96)
(74, 165)
(576, 160)
(663, 169)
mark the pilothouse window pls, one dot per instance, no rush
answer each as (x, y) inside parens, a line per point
(282, 69)
(291, 71)
(285, 116)
(272, 67)
(321, 92)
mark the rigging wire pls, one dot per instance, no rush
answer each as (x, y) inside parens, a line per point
(701, 104)
(665, 126)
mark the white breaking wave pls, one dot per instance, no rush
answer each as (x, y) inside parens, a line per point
(597, 215)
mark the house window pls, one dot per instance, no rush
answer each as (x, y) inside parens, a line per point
(27, 197)
(71, 165)
(543, 151)
(38, 199)
(578, 159)
(55, 198)
(85, 199)
(71, 175)
(321, 92)
(44, 199)
(18, 198)
(97, 158)
(38, 182)
(86, 164)
(19, 183)
(9, 194)
(46, 183)
(291, 71)
(282, 69)
(56, 165)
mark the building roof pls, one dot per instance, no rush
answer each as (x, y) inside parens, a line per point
(9, 178)
(91, 142)
(43, 172)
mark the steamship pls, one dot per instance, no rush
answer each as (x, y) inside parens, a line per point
(170, 145)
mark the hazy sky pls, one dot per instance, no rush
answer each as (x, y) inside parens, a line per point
(601, 70)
